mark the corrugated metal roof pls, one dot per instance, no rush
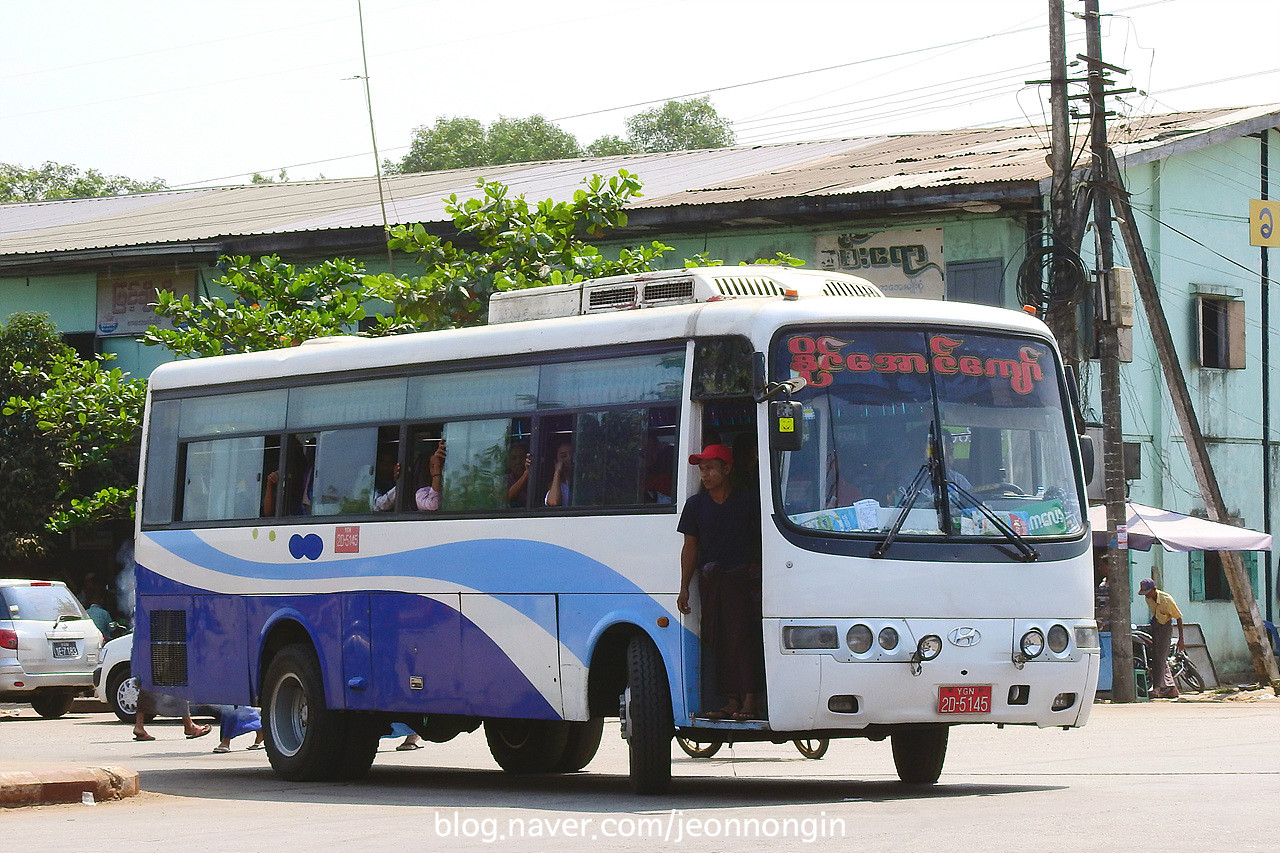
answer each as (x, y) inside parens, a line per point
(842, 167)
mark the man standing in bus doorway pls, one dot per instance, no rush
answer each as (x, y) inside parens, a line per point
(1164, 612)
(721, 527)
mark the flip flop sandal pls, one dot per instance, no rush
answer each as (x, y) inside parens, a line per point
(204, 730)
(258, 745)
(137, 736)
(406, 747)
(220, 749)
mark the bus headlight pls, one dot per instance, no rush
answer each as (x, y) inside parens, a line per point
(929, 647)
(1058, 639)
(858, 639)
(888, 639)
(1029, 647)
(809, 636)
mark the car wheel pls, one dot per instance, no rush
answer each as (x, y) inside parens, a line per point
(122, 694)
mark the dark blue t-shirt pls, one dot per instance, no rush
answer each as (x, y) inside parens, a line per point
(727, 533)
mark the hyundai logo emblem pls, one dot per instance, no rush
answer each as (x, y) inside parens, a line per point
(964, 637)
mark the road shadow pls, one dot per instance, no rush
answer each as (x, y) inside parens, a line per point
(603, 793)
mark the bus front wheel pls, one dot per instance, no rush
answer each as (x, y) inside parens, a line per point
(305, 740)
(918, 753)
(647, 720)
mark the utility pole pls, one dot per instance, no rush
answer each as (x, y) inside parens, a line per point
(1122, 685)
(1061, 314)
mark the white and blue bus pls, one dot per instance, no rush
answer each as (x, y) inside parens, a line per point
(355, 531)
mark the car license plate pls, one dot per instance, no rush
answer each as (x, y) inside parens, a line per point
(65, 649)
(964, 699)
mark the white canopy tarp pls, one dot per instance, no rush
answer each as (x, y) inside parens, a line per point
(1175, 531)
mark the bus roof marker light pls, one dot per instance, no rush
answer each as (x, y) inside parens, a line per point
(790, 294)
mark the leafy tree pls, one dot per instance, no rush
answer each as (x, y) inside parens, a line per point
(67, 428)
(450, 143)
(56, 180)
(609, 146)
(523, 140)
(275, 305)
(680, 126)
(259, 178)
(510, 244)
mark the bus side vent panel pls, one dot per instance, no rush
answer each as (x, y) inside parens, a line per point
(747, 285)
(679, 290)
(609, 298)
(836, 287)
(169, 648)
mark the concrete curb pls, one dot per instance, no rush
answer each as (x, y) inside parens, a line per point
(65, 784)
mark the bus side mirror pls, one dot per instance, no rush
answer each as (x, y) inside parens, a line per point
(1087, 457)
(784, 425)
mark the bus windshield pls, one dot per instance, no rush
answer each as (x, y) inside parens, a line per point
(894, 418)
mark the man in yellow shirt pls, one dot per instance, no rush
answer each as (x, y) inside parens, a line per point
(1164, 612)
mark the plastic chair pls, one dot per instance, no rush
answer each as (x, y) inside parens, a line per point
(1275, 637)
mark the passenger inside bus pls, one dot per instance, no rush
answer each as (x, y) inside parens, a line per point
(558, 493)
(518, 462)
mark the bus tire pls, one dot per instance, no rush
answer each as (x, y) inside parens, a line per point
(304, 739)
(648, 725)
(53, 704)
(527, 746)
(581, 745)
(359, 746)
(919, 752)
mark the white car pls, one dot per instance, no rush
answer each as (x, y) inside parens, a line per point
(48, 646)
(113, 681)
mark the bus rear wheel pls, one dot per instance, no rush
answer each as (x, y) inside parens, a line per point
(919, 752)
(305, 740)
(648, 725)
(527, 746)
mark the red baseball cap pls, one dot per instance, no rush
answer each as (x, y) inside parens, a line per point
(712, 451)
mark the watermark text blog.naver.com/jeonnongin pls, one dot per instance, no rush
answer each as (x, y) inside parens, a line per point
(672, 827)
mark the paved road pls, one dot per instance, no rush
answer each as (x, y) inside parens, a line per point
(1189, 776)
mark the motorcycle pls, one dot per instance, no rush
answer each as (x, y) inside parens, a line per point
(813, 748)
(1185, 674)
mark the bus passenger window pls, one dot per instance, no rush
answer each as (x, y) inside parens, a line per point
(660, 457)
(475, 469)
(342, 482)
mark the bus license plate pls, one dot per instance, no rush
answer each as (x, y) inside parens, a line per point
(64, 649)
(964, 699)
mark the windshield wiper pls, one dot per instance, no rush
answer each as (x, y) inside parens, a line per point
(1028, 553)
(908, 500)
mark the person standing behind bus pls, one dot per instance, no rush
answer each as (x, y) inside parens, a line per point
(1164, 612)
(721, 527)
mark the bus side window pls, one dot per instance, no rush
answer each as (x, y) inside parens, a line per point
(660, 456)
(342, 475)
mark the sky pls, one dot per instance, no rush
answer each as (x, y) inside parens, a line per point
(207, 93)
